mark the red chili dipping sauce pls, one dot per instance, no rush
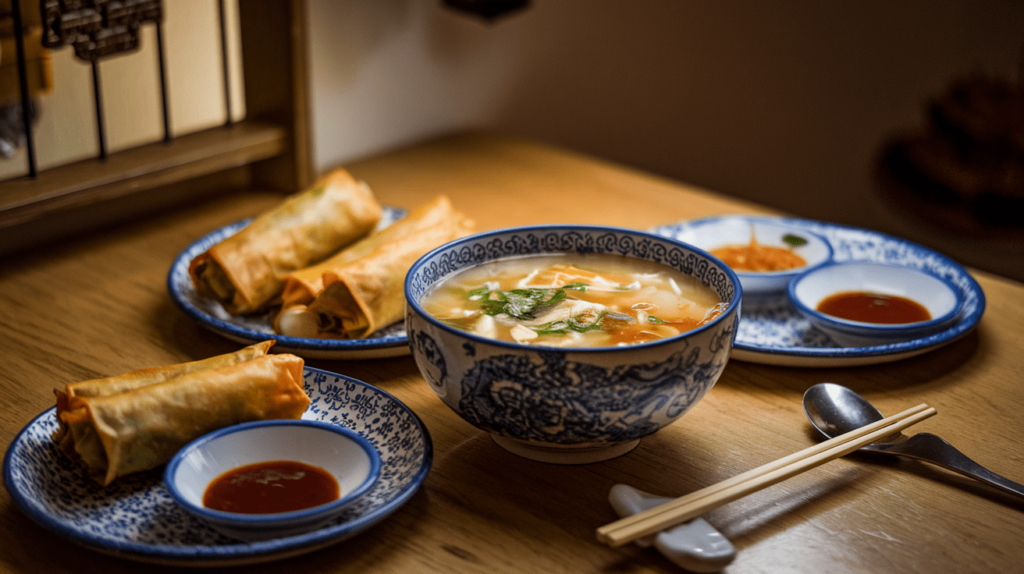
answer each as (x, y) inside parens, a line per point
(269, 487)
(873, 308)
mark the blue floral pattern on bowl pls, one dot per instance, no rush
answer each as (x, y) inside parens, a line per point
(774, 332)
(136, 518)
(536, 399)
(511, 396)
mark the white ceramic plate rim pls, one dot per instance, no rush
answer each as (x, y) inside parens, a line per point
(850, 244)
(391, 342)
(233, 553)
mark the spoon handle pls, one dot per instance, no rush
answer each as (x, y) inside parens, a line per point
(930, 448)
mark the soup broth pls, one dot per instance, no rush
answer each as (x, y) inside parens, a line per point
(573, 300)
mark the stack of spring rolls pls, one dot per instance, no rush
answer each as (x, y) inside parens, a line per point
(361, 289)
(350, 285)
(138, 421)
(246, 271)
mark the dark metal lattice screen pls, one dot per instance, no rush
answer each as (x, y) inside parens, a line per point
(98, 29)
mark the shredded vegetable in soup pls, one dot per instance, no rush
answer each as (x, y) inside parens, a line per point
(573, 300)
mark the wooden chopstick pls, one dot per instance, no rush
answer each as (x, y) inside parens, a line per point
(696, 503)
(795, 457)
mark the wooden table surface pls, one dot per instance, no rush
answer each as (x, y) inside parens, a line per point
(98, 306)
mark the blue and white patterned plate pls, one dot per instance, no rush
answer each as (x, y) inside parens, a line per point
(136, 518)
(774, 333)
(248, 329)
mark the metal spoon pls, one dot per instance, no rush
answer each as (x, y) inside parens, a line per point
(835, 409)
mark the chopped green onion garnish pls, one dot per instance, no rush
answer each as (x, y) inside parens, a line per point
(572, 324)
(522, 304)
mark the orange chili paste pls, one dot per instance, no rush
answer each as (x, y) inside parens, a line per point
(757, 257)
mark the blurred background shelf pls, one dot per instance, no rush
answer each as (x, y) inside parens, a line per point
(139, 170)
(268, 148)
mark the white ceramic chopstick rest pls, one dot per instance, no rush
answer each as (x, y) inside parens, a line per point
(696, 545)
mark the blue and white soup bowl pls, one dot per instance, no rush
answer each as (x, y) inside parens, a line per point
(569, 405)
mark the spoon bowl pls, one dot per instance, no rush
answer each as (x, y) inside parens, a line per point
(834, 409)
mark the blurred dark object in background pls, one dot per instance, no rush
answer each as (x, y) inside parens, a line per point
(488, 9)
(964, 169)
(97, 29)
(38, 73)
(12, 128)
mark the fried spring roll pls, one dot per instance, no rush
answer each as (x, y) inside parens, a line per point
(302, 286)
(141, 378)
(246, 271)
(153, 375)
(141, 428)
(363, 294)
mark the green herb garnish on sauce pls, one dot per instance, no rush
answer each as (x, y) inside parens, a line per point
(794, 240)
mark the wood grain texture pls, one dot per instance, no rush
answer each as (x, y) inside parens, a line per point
(146, 167)
(98, 306)
(275, 68)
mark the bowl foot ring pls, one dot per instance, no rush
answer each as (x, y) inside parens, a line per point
(564, 454)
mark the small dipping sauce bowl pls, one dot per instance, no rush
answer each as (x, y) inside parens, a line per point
(344, 454)
(715, 233)
(939, 297)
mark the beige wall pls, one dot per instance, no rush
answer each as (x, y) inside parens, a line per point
(785, 103)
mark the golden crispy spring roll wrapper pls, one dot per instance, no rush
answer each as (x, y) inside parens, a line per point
(368, 293)
(302, 286)
(142, 378)
(143, 428)
(246, 271)
(153, 375)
